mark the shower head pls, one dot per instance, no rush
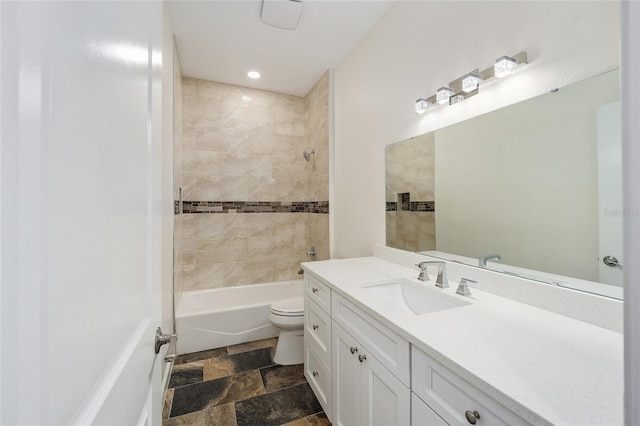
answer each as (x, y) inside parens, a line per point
(307, 155)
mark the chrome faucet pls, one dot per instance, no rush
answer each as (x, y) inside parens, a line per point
(441, 280)
(482, 260)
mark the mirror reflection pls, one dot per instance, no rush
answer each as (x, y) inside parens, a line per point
(533, 189)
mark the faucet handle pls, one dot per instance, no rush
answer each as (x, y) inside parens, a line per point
(463, 287)
(424, 276)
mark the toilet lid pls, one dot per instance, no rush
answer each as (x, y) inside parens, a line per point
(289, 307)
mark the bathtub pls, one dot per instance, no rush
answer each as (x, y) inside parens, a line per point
(208, 319)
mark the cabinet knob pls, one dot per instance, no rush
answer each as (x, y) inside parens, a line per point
(315, 373)
(362, 358)
(472, 416)
(315, 290)
(353, 349)
(315, 326)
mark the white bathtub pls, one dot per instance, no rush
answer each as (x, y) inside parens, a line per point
(208, 319)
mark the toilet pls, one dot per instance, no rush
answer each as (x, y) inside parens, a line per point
(288, 316)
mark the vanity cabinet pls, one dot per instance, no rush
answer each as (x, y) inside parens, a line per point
(370, 370)
(364, 391)
(317, 340)
(438, 391)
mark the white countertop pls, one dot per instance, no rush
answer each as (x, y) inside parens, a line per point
(545, 367)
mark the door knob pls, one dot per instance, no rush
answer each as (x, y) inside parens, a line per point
(472, 416)
(610, 261)
(163, 339)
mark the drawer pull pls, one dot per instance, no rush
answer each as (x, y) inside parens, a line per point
(362, 358)
(353, 349)
(315, 326)
(315, 290)
(315, 373)
(472, 416)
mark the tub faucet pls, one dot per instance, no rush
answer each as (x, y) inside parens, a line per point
(482, 260)
(441, 280)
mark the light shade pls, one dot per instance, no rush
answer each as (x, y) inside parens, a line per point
(422, 104)
(504, 66)
(470, 82)
(443, 94)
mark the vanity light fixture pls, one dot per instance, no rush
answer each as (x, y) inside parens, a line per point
(443, 94)
(469, 85)
(422, 104)
(504, 66)
(471, 81)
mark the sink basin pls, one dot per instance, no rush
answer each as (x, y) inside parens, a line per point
(413, 297)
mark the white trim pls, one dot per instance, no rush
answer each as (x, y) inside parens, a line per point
(93, 404)
(332, 179)
(630, 70)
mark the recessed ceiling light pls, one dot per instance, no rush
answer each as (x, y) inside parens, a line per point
(246, 98)
(253, 74)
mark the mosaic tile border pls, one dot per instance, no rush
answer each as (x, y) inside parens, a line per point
(414, 206)
(211, 207)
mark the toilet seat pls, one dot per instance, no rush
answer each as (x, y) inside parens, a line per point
(292, 307)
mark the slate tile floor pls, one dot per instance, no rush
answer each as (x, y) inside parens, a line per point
(240, 385)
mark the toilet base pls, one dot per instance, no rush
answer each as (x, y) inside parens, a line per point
(290, 348)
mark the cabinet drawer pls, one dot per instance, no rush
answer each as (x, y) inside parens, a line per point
(422, 414)
(390, 350)
(318, 376)
(319, 292)
(450, 396)
(317, 329)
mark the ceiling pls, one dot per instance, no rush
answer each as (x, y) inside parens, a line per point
(221, 40)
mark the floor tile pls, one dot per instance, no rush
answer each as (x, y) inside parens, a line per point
(278, 407)
(186, 374)
(220, 415)
(196, 397)
(237, 363)
(299, 422)
(200, 356)
(250, 346)
(319, 419)
(282, 376)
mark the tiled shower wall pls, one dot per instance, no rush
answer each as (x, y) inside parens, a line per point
(409, 181)
(244, 146)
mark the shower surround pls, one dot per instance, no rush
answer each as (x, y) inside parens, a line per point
(252, 206)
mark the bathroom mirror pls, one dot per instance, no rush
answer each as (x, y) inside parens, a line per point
(538, 183)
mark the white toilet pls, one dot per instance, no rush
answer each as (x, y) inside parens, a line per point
(288, 316)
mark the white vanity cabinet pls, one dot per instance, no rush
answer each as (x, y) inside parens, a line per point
(317, 340)
(367, 360)
(437, 390)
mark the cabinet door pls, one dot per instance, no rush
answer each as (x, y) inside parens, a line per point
(385, 399)
(346, 379)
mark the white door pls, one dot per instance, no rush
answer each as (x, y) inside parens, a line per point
(81, 212)
(610, 193)
(385, 399)
(346, 393)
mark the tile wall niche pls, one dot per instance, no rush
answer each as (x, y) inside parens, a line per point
(253, 206)
(410, 206)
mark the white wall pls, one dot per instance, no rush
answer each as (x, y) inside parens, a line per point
(418, 47)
